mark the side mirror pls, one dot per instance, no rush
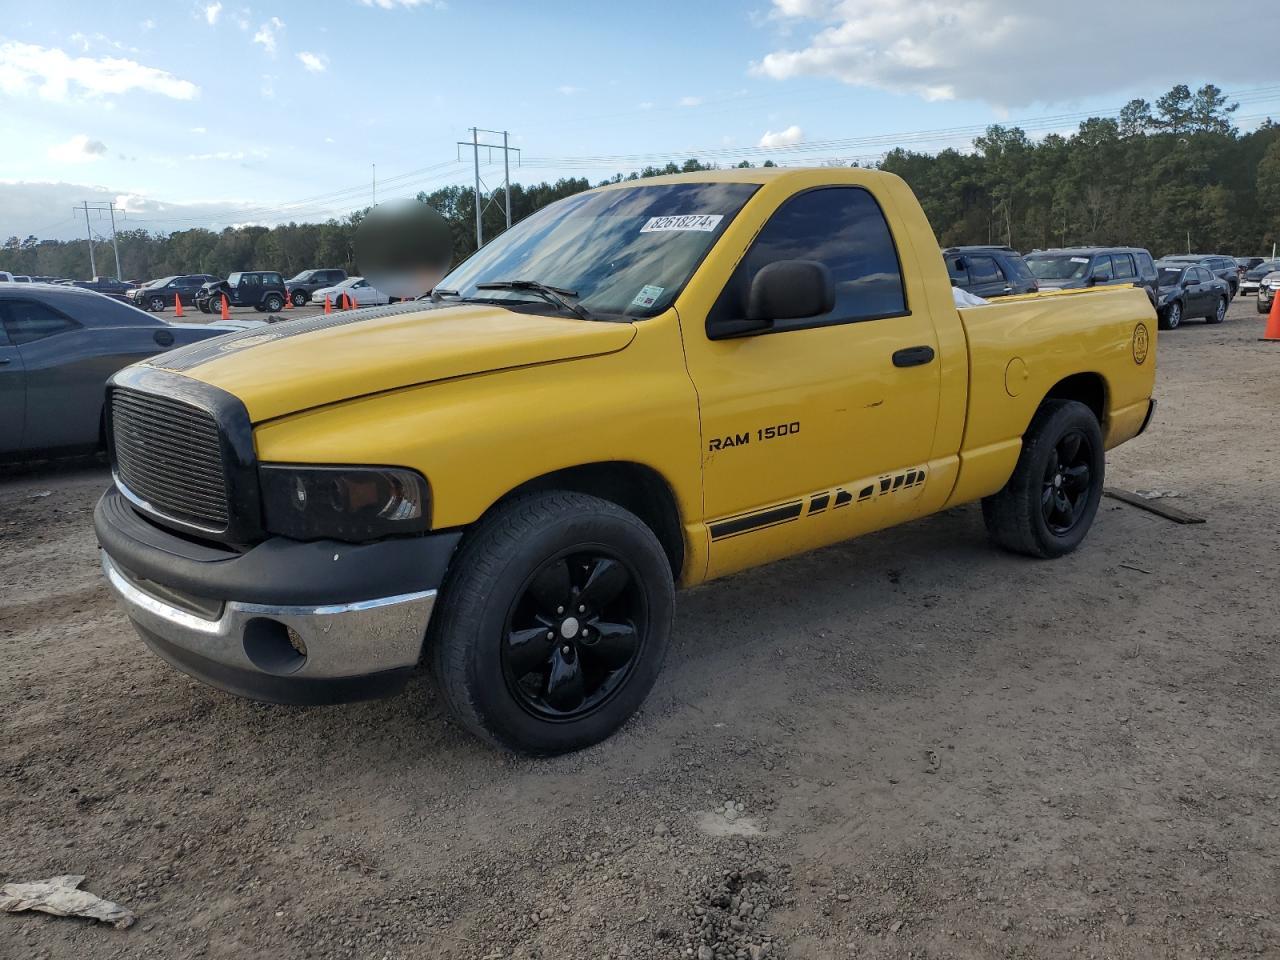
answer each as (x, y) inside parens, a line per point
(783, 290)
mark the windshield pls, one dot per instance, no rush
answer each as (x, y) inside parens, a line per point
(1169, 276)
(625, 252)
(303, 277)
(163, 281)
(1063, 266)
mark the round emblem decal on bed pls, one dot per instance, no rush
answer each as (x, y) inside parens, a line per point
(1141, 343)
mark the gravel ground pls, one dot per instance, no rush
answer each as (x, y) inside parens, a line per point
(911, 745)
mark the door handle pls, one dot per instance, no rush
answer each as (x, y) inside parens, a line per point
(5, 361)
(912, 356)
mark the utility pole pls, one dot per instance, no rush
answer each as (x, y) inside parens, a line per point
(483, 202)
(100, 208)
(93, 268)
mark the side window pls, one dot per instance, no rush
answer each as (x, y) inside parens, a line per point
(1124, 266)
(984, 270)
(1019, 268)
(27, 321)
(1146, 266)
(1102, 267)
(958, 277)
(841, 227)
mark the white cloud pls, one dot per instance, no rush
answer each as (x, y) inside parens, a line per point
(199, 130)
(211, 13)
(266, 34)
(568, 89)
(990, 50)
(783, 138)
(79, 149)
(406, 4)
(55, 75)
(690, 101)
(315, 62)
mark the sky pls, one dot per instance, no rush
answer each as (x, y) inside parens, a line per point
(219, 113)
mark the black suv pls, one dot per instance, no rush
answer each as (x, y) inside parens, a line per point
(158, 294)
(1073, 267)
(260, 289)
(308, 282)
(989, 271)
(1224, 268)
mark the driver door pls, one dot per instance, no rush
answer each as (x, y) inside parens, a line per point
(817, 429)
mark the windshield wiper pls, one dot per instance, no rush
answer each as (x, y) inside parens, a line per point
(439, 292)
(554, 295)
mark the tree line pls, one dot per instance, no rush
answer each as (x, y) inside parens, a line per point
(1169, 176)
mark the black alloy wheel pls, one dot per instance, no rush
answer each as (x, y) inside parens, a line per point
(573, 635)
(1066, 486)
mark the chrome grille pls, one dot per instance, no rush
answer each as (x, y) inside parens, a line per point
(168, 458)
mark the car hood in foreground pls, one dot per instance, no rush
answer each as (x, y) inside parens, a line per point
(300, 364)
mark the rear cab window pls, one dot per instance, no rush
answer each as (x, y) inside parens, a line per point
(27, 321)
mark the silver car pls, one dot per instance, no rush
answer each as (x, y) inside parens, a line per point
(58, 346)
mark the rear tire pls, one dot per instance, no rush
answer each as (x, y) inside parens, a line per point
(1049, 503)
(273, 303)
(1171, 317)
(1219, 313)
(553, 623)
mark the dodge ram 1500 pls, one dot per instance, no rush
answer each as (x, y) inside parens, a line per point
(644, 386)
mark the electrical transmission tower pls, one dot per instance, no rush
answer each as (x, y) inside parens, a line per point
(483, 202)
(100, 209)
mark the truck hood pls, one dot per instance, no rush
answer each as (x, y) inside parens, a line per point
(299, 364)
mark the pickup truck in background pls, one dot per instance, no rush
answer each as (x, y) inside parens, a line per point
(644, 386)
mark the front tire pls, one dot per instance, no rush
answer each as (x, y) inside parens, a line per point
(1220, 313)
(156, 304)
(1172, 316)
(1049, 503)
(300, 298)
(554, 623)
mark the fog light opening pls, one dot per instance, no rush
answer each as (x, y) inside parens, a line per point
(274, 648)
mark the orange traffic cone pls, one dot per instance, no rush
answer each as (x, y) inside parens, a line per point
(288, 301)
(226, 314)
(177, 305)
(346, 302)
(1272, 333)
(328, 307)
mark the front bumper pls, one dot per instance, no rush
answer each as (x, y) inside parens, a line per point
(285, 621)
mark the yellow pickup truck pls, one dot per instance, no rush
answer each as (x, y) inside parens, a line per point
(651, 384)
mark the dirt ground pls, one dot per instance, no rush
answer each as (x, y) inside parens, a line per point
(928, 749)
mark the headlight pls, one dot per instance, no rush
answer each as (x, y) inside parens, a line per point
(343, 503)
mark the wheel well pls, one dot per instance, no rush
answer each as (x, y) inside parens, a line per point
(632, 486)
(1087, 388)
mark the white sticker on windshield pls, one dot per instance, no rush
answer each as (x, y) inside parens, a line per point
(647, 296)
(1079, 259)
(705, 222)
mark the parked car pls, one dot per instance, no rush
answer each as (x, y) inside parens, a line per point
(260, 289)
(104, 285)
(989, 271)
(308, 282)
(1189, 290)
(1267, 290)
(622, 394)
(1252, 279)
(58, 346)
(159, 294)
(1248, 263)
(21, 278)
(6, 276)
(1219, 266)
(1073, 267)
(358, 289)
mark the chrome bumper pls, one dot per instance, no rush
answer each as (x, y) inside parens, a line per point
(286, 654)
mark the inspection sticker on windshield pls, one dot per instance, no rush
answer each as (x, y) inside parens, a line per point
(1079, 259)
(705, 222)
(647, 296)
